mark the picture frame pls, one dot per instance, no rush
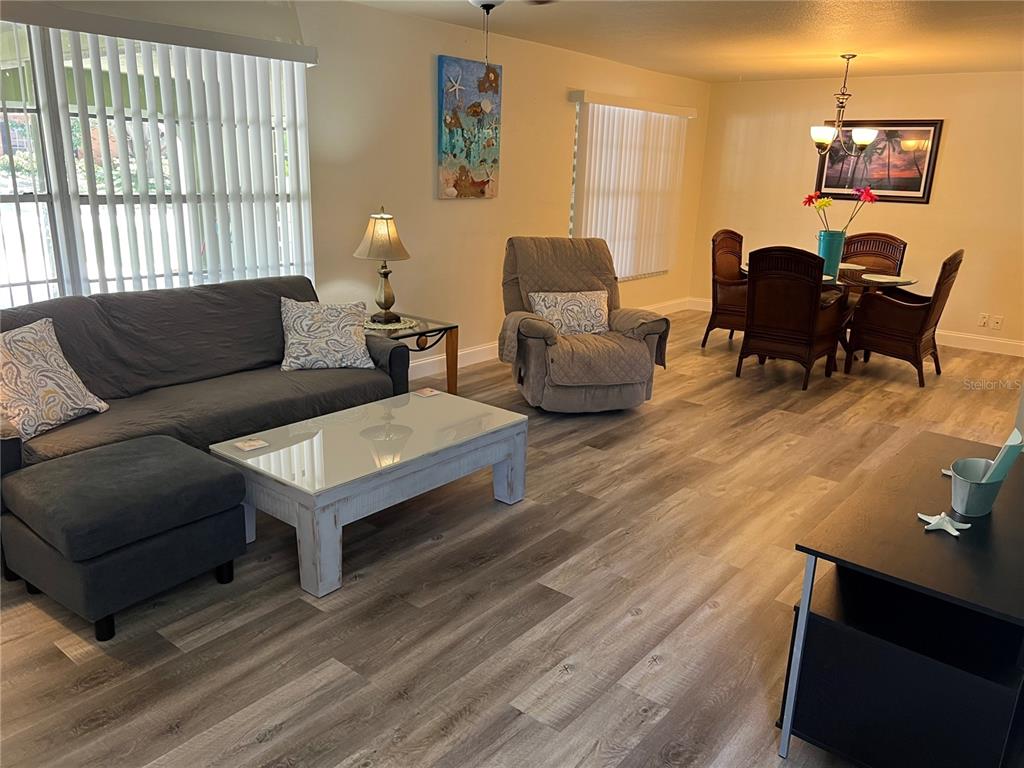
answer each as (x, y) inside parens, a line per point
(469, 130)
(899, 165)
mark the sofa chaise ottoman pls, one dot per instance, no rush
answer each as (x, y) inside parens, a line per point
(104, 528)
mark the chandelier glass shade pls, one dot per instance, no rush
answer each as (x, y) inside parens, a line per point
(825, 136)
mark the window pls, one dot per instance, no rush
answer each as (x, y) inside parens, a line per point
(627, 182)
(130, 165)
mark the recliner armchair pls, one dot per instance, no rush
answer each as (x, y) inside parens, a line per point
(579, 373)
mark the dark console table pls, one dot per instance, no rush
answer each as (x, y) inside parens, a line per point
(912, 650)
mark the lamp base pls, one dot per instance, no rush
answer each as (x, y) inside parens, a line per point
(387, 317)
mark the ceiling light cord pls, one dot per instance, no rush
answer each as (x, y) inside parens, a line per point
(487, 33)
(487, 8)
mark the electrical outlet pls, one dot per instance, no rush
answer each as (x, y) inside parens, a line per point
(997, 323)
(983, 320)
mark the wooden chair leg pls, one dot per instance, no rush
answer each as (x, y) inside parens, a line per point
(807, 377)
(731, 334)
(830, 365)
(920, 373)
(707, 333)
(848, 362)
(104, 628)
(867, 355)
(762, 359)
(739, 365)
(935, 359)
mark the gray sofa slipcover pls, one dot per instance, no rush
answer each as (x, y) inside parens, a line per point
(584, 373)
(101, 529)
(200, 364)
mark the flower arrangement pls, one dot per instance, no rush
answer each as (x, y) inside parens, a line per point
(822, 204)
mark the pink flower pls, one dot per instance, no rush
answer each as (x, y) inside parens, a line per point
(865, 195)
(809, 200)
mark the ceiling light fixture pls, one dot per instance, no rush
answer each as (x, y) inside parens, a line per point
(824, 136)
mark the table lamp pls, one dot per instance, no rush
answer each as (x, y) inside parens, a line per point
(382, 243)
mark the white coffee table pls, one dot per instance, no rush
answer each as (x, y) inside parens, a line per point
(322, 474)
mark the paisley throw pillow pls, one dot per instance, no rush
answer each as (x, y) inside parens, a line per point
(573, 312)
(40, 389)
(323, 335)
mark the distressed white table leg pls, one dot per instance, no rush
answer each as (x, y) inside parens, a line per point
(319, 540)
(509, 476)
(250, 522)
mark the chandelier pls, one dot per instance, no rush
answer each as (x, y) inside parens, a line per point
(824, 136)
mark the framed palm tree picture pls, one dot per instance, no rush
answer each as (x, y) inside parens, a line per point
(898, 165)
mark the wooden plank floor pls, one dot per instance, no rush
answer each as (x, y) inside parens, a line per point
(633, 611)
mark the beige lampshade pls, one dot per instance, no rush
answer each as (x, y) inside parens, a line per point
(381, 241)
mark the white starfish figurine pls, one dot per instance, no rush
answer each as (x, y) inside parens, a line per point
(943, 522)
(455, 85)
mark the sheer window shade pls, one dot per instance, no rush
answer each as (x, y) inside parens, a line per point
(169, 166)
(627, 185)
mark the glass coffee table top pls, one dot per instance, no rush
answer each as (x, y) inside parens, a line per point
(337, 448)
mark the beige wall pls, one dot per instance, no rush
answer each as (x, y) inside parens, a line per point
(372, 111)
(759, 163)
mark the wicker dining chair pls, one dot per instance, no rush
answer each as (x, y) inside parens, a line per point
(789, 315)
(877, 252)
(728, 284)
(901, 324)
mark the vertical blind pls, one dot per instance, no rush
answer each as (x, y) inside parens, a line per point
(146, 165)
(627, 185)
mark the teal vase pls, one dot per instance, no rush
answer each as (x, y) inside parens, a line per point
(830, 248)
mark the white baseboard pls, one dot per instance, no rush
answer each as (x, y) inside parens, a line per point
(668, 307)
(971, 341)
(980, 343)
(435, 364)
(678, 305)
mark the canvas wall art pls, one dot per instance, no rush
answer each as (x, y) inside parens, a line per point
(898, 165)
(469, 128)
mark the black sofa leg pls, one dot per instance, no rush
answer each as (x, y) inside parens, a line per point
(9, 575)
(225, 572)
(104, 628)
(32, 589)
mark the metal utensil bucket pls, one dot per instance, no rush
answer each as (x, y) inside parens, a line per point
(971, 497)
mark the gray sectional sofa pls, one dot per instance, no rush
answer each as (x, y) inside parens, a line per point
(115, 507)
(199, 364)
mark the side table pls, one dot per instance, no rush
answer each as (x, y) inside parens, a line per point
(428, 333)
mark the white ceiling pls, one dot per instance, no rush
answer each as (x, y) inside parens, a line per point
(723, 40)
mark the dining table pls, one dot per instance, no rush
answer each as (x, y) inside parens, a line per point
(856, 276)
